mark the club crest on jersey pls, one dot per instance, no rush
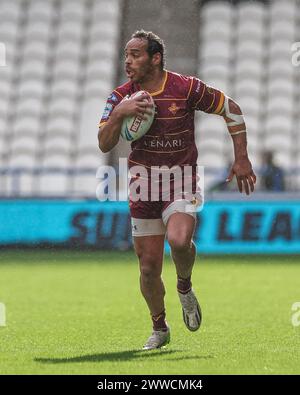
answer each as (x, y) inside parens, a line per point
(173, 108)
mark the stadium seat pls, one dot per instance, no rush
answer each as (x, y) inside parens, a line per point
(54, 179)
(66, 69)
(101, 50)
(33, 68)
(5, 88)
(31, 87)
(214, 70)
(278, 142)
(40, 10)
(26, 124)
(281, 85)
(10, 10)
(22, 158)
(247, 48)
(70, 30)
(60, 124)
(52, 142)
(280, 103)
(281, 68)
(254, 11)
(29, 142)
(216, 51)
(98, 89)
(29, 106)
(99, 68)
(107, 10)
(283, 10)
(248, 68)
(251, 28)
(217, 10)
(21, 183)
(216, 29)
(103, 31)
(211, 125)
(248, 87)
(280, 47)
(65, 88)
(72, 10)
(65, 106)
(211, 159)
(281, 123)
(249, 104)
(4, 107)
(282, 30)
(35, 50)
(38, 31)
(84, 183)
(68, 49)
(3, 125)
(8, 31)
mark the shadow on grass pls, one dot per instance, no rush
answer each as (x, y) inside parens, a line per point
(119, 356)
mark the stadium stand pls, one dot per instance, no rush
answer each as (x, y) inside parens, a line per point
(62, 62)
(60, 68)
(245, 49)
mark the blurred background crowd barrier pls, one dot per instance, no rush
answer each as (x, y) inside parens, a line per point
(60, 61)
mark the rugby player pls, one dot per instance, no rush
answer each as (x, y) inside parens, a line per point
(169, 142)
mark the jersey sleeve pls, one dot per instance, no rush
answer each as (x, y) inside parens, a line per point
(114, 99)
(205, 98)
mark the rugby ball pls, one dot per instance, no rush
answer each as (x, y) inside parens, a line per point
(133, 128)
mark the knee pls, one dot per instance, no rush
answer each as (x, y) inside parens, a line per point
(149, 276)
(149, 268)
(179, 243)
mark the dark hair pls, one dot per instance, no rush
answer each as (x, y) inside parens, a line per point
(155, 44)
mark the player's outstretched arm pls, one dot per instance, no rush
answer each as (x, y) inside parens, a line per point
(241, 167)
(109, 132)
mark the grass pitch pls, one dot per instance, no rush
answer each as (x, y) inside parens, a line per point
(82, 313)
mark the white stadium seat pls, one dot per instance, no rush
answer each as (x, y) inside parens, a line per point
(8, 31)
(40, 10)
(21, 141)
(66, 68)
(280, 10)
(34, 88)
(33, 68)
(73, 10)
(54, 61)
(10, 10)
(54, 142)
(106, 10)
(220, 10)
(64, 88)
(4, 107)
(26, 124)
(29, 105)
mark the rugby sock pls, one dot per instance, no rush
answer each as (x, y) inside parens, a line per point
(184, 285)
(159, 321)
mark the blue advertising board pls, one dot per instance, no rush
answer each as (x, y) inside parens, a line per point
(222, 227)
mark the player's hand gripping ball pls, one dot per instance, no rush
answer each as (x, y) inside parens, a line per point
(134, 127)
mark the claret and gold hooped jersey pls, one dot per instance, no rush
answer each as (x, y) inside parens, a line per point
(171, 139)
